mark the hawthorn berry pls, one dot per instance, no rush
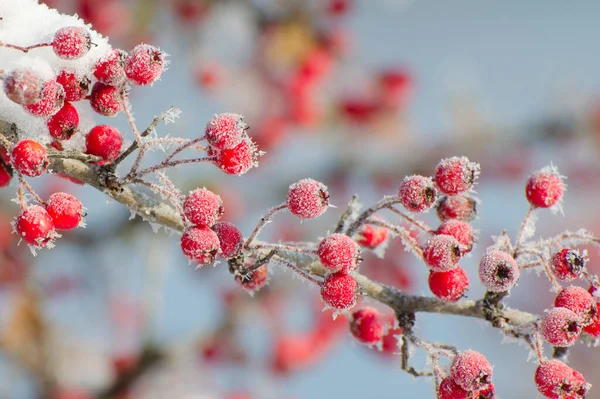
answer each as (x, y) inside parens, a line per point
(23, 87)
(389, 342)
(463, 232)
(63, 124)
(545, 188)
(200, 244)
(144, 64)
(65, 210)
(449, 286)
(230, 239)
(568, 264)
(367, 326)
(594, 328)
(555, 380)
(104, 141)
(460, 207)
(560, 327)
(339, 291)
(237, 160)
(307, 199)
(5, 174)
(71, 42)
(579, 301)
(202, 207)
(371, 237)
(254, 280)
(471, 370)
(30, 158)
(110, 69)
(456, 175)
(339, 253)
(105, 99)
(498, 271)
(76, 86)
(417, 193)
(451, 390)
(225, 131)
(34, 225)
(441, 253)
(488, 392)
(53, 97)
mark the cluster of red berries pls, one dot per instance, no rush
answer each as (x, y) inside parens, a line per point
(340, 255)
(470, 378)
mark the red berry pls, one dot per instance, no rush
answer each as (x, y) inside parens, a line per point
(486, 393)
(63, 124)
(76, 86)
(556, 380)
(449, 286)
(254, 280)
(23, 87)
(460, 207)
(455, 175)
(200, 244)
(53, 97)
(71, 42)
(339, 253)
(371, 237)
(560, 327)
(471, 370)
(339, 291)
(451, 390)
(568, 264)
(237, 160)
(110, 70)
(594, 328)
(5, 174)
(144, 64)
(34, 225)
(545, 188)
(367, 326)
(498, 271)
(579, 301)
(441, 253)
(230, 238)
(307, 199)
(65, 210)
(30, 158)
(225, 131)
(463, 232)
(104, 141)
(417, 193)
(389, 342)
(106, 100)
(202, 207)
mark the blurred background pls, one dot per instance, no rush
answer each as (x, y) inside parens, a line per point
(356, 94)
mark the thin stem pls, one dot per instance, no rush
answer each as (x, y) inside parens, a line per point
(520, 234)
(184, 146)
(382, 203)
(412, 221)
(296, 269)
(263, 222)
(346, 215)
(130, 119)
(30, 189)
(283, 247)
(259, 263)
(165, 165)
(403, 233)
(22, 201)
(25, 49)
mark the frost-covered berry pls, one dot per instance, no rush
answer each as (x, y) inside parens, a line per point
(560, 327)
(34, 225)
(65, 210)
(53, 97)
(307, 199)
(441, 253)
(488, 392)
(389, 342)
(23, 87)
(110, 69)
(230, 238)
(104, 141)
(76, 86)
(200, 245)
(339, 291)
(498, 271)
(106, 100)
(237, 160)
(463, 232)
(5, 174)
(63, 124)
(30, 158)
(339, 253)
(254, 280)
(202, 207)
(225, 131)
(371, 237)
(71, 42)
(568, 264)
(471, 370)
(449, 286)
(579, 301)
(460, 207)
(594, 328)
(417, 193)
(455, 175)
(451, 390)
(545, 188)
(144, 64)
(366, 325)
(555, 380)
